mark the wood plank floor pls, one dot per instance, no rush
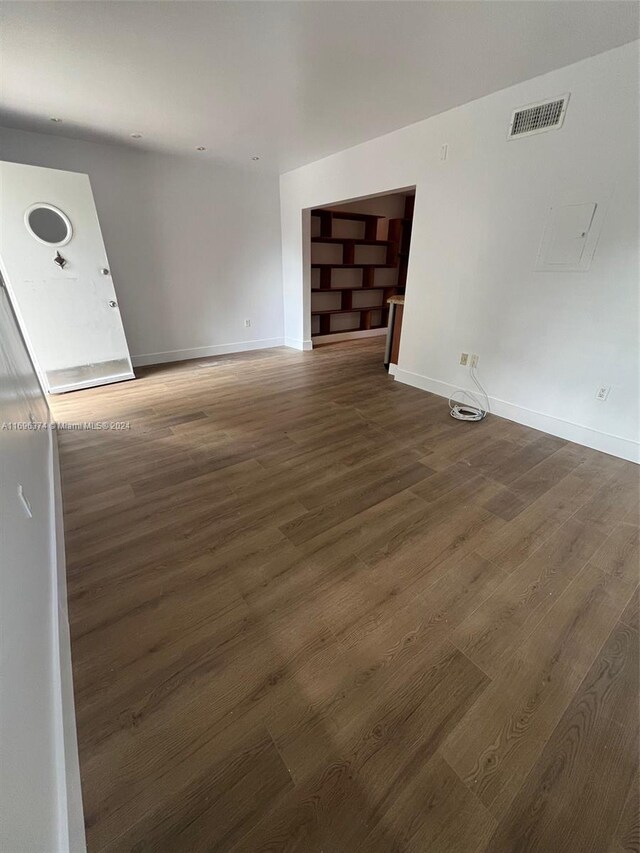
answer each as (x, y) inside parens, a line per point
(311, 612)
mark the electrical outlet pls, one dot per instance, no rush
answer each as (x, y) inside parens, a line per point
(603, 392)
(247, 323)
(474, 360)
(464, 358)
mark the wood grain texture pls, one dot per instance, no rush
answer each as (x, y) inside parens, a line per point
(631, 615)
(501, 623)
(496, 744)
(576, 793)
(311, 612)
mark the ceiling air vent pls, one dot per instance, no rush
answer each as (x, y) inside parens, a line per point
(538, 118)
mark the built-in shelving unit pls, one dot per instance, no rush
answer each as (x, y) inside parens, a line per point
(356, 253)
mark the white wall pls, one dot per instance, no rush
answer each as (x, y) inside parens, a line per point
(40, 801)
(546, 340)
(194, 247)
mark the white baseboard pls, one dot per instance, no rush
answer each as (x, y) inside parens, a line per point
(393, 369)
(91, 383)
(615, 445)
(334, 337)
(295, 343)
(204, 352)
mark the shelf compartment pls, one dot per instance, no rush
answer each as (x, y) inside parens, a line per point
(327, 311)
(362, 242)
(340, 214)
(348, 331)
(329, 217)
(353, 266)
(352, 289)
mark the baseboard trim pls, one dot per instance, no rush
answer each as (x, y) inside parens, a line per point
(91, 383)
(615, 445)
(296, 343)
(204, 352)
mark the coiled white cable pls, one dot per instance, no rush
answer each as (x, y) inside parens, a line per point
(461, 411)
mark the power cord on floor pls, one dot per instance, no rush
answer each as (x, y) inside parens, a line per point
(462, 411)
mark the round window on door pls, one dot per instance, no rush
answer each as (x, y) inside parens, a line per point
(48, 224)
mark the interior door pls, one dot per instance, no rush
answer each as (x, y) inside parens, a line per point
(56, 270)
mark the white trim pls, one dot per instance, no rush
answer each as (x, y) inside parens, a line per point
(71, 832)
(295, 343)
(205, 352)
(334, 337)
(91, 383)
(615, 445)
(58, 700)
(393, 369)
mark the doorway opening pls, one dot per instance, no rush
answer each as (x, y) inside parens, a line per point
(359, 260)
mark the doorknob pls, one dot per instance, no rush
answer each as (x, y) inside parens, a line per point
(104, 271)
(113, 303)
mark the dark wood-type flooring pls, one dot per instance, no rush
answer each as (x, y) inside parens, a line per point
(311, 612)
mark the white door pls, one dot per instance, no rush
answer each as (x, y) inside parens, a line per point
(55, 267)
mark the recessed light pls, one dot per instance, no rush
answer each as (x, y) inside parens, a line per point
(255, 158)
(55, 119)
(201, 148)
(136, 135)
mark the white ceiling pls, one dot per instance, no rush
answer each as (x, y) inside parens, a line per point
(289, 81)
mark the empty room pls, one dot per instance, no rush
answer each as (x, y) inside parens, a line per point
(320, 426)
